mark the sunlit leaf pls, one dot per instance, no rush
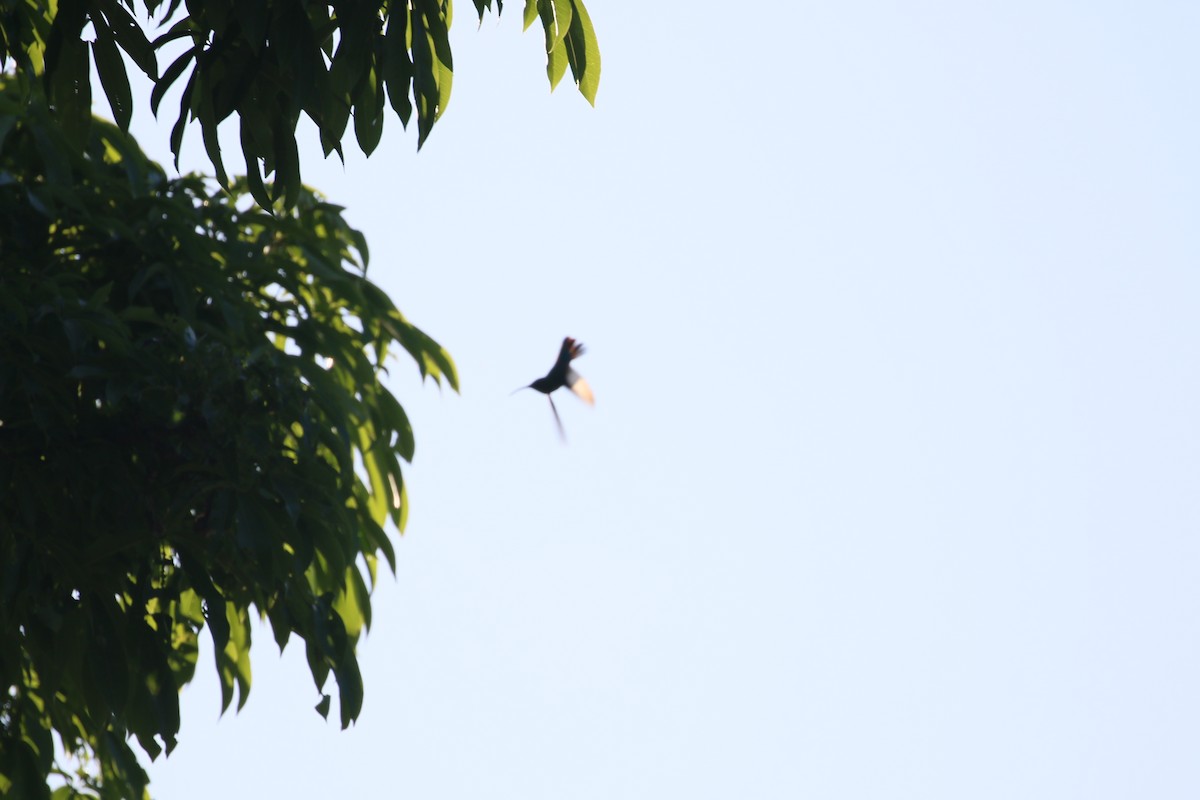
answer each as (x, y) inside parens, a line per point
(583, 52)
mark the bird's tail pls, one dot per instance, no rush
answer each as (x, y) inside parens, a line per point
(562, 434)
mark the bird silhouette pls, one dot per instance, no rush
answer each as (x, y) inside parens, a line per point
(560, 375)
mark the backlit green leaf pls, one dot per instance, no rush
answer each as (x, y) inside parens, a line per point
(583, 52)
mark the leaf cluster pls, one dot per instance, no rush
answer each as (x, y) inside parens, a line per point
(192, 431)
(268, 62)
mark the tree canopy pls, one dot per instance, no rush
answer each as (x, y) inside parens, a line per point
(193, 429)
(191, 425)
(267, 62)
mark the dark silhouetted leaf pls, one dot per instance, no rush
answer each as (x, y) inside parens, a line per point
(112, 76)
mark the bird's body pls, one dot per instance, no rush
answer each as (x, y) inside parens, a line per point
(560, 375)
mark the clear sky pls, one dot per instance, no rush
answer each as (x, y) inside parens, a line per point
(891, 486)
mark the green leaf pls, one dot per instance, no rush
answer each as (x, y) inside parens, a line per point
(368, 114)
(253, 18)
(107, 676)
(185, 100)
(397, 67)
(392, 415)
(112, 76)
(130, 36)
(353, 604)
(335, 114)
(482, 5)
(287, 167)
(254, 179)
(350, 690)
(431, 358)
(443, 57)
(169, 77)
(402, 524)
(425, 75)
(556, 65)
(583, 52)
(375, 460)
(376, 538)
(71, 91)
(557, 19)
(208, 130)
(233, 662)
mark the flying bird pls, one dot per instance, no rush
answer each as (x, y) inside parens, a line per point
(560, 375)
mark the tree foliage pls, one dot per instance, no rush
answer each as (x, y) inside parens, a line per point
(192, 425)
(192, 430)
(268, 62)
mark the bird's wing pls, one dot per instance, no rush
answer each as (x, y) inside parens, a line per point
(570, 349)
(564, 354)
(562, 433)
(580, 387)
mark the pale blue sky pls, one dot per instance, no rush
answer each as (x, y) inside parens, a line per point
(890, 490)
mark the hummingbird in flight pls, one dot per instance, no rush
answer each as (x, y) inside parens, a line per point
(560, 375)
